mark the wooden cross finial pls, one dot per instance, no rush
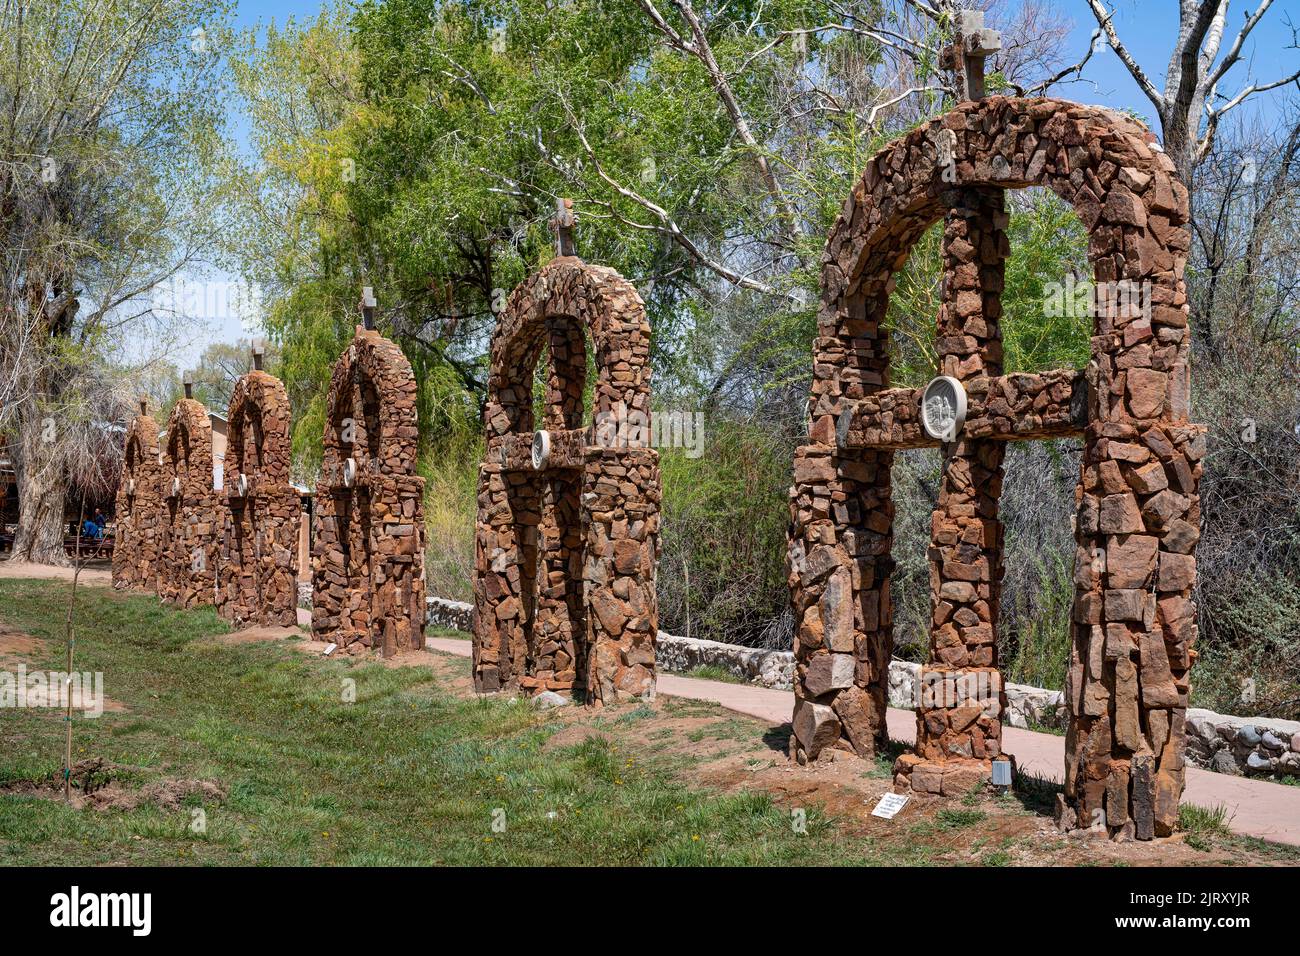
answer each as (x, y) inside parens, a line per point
(972, 43)
(188, 381)
(562, 226)
(368, 304)
(258, 351)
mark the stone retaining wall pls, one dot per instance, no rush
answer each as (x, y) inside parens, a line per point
(1254, 746)
(453, 615)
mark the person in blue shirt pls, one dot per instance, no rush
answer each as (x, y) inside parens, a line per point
(91, 530)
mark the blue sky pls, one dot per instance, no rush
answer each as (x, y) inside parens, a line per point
(1147, 27)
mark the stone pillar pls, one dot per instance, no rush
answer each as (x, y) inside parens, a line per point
(259, 558)
(958, 720)
(368, 546)
(256, 579)
(190, 512)
(842, 521)
(567, 540)
(136, 548)
(622, 493)
(396, 549)
(1134, 616)
(559, 613)
(506, 566)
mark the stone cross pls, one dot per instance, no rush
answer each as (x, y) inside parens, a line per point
(258, 351)
(144, 404)
(189, 384)
(562, 226)
(972, 43)
(368, 304)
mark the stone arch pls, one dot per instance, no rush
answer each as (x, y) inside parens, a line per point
(189, 512)
(368, 546)
(567, 545)
(1134, 620)
(257, 577)
(136, 548)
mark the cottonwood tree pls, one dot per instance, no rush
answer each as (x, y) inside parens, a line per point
(1196, 94)
(106, 138)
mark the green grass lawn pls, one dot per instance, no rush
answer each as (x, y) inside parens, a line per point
(408, 774)
(417, 771)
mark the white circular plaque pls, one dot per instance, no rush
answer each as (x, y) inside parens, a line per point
(176, 487)
(349, 473)
(943, 408)
(243, 486)
(541, 449)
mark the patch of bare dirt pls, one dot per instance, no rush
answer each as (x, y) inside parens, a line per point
(572, 736)
(254, 635)
(19, 648)
(97, 574)
(451, 671)
(96, 784)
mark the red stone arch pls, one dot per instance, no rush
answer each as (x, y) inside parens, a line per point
(136, 545)
(368, 549)
(1138, 507)
(189, 520)
(257, 577)
(566, 552)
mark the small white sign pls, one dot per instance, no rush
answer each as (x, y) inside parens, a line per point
(889, 805)
(330, 649)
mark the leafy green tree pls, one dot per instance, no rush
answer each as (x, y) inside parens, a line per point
(108, 152)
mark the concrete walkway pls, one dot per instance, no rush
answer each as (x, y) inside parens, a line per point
(1258, 808)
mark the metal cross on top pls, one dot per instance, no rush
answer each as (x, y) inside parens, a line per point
(368, 305)
(972, 43)
(562, 225)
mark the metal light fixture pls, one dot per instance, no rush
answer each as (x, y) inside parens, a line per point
(1002, 773)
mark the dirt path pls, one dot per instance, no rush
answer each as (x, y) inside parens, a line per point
(98, 574)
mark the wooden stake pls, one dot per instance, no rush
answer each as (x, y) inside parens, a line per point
(70, 638)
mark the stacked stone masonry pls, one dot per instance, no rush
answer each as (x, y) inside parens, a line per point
(368, 541)
(139, 508)
(257, 575)
(567, 543)
(1138, 511)
(191, 510)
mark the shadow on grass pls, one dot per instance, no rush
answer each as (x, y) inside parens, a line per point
(1036, 794)
(778, 738)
